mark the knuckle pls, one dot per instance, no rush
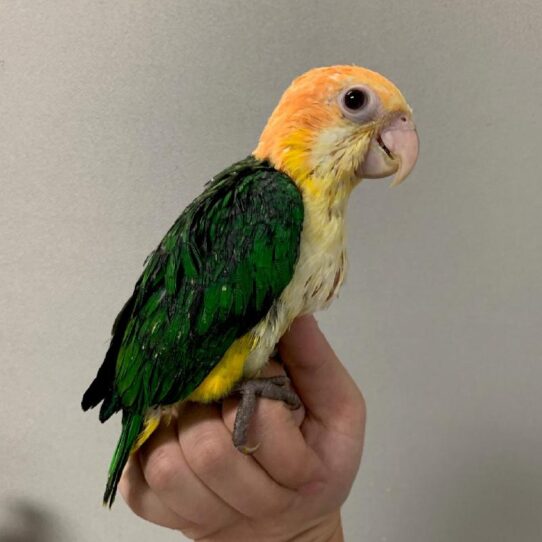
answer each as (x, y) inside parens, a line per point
(131, 496)
(136, 505)
(354, 411)
(360, 407)
(160, 469)
(126, 489)
(205, 453)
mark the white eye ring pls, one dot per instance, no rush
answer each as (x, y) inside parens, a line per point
(358, 103)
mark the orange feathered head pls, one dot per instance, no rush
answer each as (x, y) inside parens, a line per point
(335, 125)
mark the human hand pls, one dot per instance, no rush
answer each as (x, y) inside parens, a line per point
(190, 477)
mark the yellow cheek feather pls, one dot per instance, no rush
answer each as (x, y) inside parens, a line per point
(220, 381)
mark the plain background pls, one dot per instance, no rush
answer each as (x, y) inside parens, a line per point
(112, 117)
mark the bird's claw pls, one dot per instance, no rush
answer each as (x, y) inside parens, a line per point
(277, 388)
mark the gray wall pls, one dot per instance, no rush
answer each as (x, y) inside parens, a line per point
(114, 114)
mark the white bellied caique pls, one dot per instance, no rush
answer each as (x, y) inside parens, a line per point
(263, 244)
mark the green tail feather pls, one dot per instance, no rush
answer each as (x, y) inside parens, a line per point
(131, 427)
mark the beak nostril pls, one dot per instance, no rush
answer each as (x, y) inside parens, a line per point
(404, 119)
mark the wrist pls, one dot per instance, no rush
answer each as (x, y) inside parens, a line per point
(326, 529)
(329, 529)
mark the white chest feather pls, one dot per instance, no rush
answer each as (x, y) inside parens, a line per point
(317, 278)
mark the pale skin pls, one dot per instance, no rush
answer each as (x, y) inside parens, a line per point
(189, 476)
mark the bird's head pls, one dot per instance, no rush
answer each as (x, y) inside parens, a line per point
(336, 125)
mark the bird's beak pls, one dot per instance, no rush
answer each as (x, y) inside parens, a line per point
(393, 150)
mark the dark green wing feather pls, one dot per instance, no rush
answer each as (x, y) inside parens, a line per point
(213, 277)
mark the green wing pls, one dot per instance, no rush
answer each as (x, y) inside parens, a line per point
(213, 277)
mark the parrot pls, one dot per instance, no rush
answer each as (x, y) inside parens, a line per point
(264, 243)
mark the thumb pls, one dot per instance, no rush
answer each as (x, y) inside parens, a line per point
(325, 387)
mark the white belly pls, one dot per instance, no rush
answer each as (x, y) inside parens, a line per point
(317, 278)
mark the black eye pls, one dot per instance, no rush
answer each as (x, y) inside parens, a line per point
(358, 103)
(355, 99)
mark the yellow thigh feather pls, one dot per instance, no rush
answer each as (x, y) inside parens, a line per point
(220, 381)
(217, 384)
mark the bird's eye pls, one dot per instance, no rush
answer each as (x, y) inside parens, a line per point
(355, 99)
(358, 104)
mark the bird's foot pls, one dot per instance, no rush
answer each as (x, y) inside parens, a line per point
(277, 388)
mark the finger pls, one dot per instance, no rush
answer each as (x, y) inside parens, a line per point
(169, 476)
(144, 502)
(282, 451)
(325, 387)
(236, 478)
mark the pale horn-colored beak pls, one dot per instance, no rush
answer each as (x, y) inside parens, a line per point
(393, 150)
